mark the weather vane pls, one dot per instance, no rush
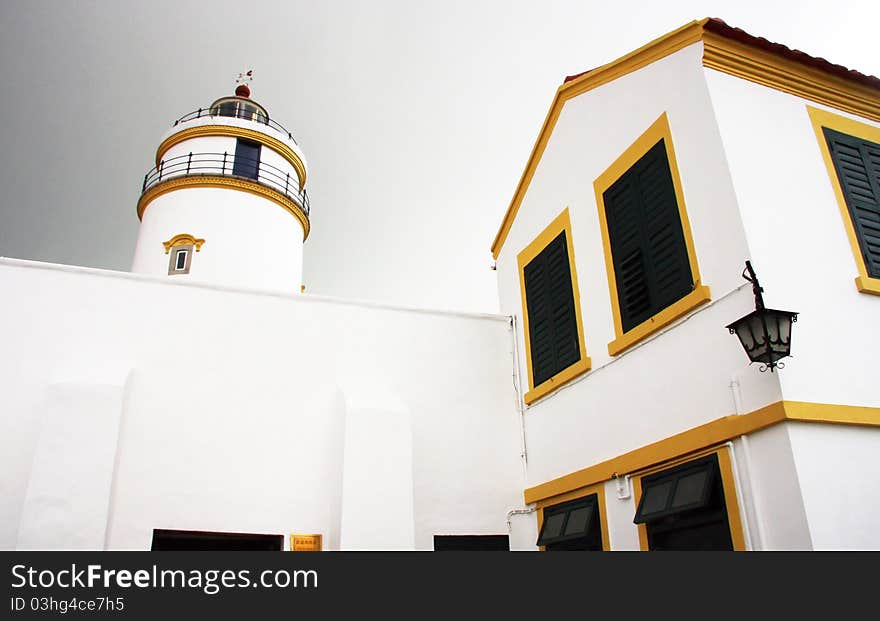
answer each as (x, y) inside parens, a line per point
(244, 78)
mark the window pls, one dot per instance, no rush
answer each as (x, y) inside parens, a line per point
(469, 543)
(182, 254)
(689, 507)
(180, 260)
(653, 277)
(851, 151)
(247, 159)
(194, 540)
(552, 328)
(180, 248)
(573, 525)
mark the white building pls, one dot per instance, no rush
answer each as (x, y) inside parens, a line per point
(205, 393)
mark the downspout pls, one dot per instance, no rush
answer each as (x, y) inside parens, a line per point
(758, 539)
(518, 396)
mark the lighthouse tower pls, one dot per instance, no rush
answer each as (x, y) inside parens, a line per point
(226, 202)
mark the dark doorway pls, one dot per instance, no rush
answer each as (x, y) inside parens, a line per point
(199, 541)
(446, 543)
(247, 159)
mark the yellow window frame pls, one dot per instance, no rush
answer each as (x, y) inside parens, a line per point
(823, 118)
(598, 489)
(561, 223)
(728, 482)
(701, 293)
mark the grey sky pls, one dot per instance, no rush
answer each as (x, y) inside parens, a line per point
(416, 117)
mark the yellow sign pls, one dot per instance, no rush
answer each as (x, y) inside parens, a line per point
(306, 543)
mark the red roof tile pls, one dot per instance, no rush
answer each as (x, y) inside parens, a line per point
(718, 26)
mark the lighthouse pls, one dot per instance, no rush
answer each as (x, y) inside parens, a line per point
(226, 201)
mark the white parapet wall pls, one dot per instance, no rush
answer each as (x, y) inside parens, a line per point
(196, 407)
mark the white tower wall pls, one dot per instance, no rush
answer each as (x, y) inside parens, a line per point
(250, 241)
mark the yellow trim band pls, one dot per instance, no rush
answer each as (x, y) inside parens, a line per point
(235, 132)
(561, 223)
(823, 118)
(659, 130)
(719, 53)
(712, 433)
(208, 181)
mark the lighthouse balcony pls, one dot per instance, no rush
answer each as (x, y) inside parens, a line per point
(232, 166)
(235, 111)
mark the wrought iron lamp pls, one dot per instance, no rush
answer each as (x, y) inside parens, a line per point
(764, 333)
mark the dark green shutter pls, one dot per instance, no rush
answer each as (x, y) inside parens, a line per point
(553, 335)
(857, 163)
(648, 249)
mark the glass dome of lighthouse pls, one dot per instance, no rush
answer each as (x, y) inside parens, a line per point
(240, 106)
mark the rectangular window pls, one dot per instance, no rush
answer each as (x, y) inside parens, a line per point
(851, 150)
(247, 159)
(550, 304)
(857, 163)
(648, 251)
(551, 310)
(573, 525)
(688, 506)
(180, 259)
(653, 276)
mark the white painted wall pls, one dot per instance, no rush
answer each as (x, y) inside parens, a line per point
(680, 379)
(798, 242)
(772, 495)
(68, 493)
(837, 471)
(623, 534)
(237, 409)
(250, 241)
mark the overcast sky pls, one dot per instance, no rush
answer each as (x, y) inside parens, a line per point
(416, 118)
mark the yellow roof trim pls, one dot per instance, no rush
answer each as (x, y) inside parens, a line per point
(720, 53)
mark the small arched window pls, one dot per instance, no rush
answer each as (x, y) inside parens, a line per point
(181, 248)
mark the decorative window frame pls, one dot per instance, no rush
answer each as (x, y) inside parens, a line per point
(845, 125)
(561, 223)
(701, 294)
(598, 490)
(728, 482)
(181, 242)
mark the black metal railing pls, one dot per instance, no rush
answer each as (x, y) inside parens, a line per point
(228, 165)
(240, 113)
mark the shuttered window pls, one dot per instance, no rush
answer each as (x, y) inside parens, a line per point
(685, 508)
(649, 254)
(553, 332)
(857, 163)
